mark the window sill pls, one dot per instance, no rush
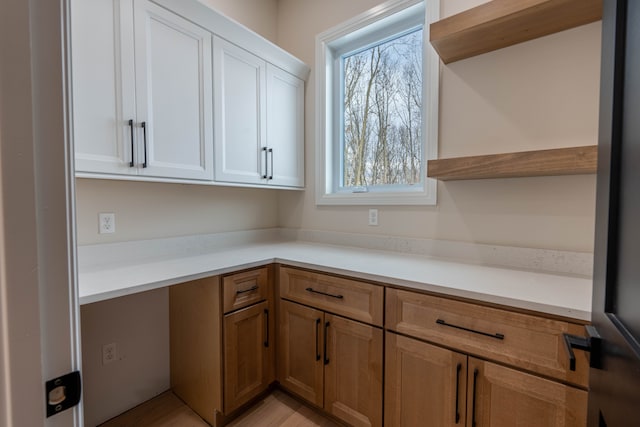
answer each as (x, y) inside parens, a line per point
(427, 198)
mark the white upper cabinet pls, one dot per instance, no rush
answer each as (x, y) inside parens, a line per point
(142, 99)
(103, 85)
(259, 120)
(240, 114)
(170, 90)
(173, 94)
(285, 128)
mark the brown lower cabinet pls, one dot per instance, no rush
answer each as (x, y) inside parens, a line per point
(223, 353)
(222, 341)
(427, 385)
(333, 362)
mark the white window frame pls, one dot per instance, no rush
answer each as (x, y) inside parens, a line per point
(382, 20)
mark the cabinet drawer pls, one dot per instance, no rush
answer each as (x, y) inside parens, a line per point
(349, 298)
(246, 288)
(525, 341)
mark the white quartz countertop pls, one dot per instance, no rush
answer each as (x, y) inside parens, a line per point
(562, 295)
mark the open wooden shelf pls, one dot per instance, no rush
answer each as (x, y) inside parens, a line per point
(558, 161)
(502, 23)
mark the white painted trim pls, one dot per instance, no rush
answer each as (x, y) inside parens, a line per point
(324, 116)
(39, 321)
(21, 370)
(87, 175)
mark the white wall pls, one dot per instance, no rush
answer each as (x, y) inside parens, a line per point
(258, 15)
(139, 325)
(535, 95)
(147, 210)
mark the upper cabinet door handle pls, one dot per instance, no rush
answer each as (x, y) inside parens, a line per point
(266, 163)
(271, 172)
(144, 132)
(131, 164)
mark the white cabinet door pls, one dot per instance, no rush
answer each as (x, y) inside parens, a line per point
(174, 96)
(285, 128)
(239, 114)
(103, 85)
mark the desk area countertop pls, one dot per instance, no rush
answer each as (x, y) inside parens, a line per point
(556, 294)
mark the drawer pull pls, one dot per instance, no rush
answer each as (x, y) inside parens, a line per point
(251, 289)
(324, 293)
(458, 369)
(486, 334)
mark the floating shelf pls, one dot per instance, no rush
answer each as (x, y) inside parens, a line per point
(558, 161)
(502, 23)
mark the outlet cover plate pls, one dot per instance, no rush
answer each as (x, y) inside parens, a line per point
(109, 353)
(107, 223)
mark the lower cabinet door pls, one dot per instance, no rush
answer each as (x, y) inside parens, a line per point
(425, 385)
(499, 396)
(246, 355)
(300, 351)
(353, 371)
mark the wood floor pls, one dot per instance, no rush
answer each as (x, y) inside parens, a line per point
(276, 410)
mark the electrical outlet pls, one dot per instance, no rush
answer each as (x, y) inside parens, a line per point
(107, 223)
(373, 216)
(109, 353)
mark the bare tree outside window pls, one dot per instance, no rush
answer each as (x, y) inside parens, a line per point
(382, 113)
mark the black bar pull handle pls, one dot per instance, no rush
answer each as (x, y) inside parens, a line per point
(473, 405)
(486, 334)
(266, 164)
(131, 164)
(317, 333)
(324, 293)
(271, 172)
(144, 133)
(251, 289)
(326, 332)
(458, 369)
(266, 327)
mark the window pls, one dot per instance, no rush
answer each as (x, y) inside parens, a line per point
(377, 107)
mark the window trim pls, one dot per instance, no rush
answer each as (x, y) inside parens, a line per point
(329, 46)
